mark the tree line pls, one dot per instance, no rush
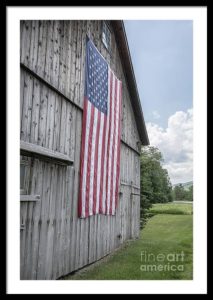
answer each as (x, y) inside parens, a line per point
(181, 194)
(155, 183)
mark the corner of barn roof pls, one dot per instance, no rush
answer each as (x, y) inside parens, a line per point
(121, 39)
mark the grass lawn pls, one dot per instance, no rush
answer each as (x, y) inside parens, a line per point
(156, 255)
(172, 208)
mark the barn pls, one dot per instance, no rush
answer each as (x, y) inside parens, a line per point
(54, 241)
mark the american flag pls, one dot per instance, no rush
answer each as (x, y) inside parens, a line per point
(101, 132)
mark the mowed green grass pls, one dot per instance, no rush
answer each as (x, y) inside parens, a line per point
(167, 235)
(172, 208)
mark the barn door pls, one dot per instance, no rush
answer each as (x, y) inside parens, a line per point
(135, 211)
(44, 202)
(29, 204)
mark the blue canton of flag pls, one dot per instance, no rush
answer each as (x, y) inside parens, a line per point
(97, 78)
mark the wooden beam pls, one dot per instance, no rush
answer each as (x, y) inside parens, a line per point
(49, 85)
(129, 184)
(130, 147)
(39, 151)
(30, 197)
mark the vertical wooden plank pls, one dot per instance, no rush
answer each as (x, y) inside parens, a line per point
(22, 75)
(114, 57)
(42, 45)
(138, 217)
(77, 243)
(105, 234)
(63, 224)
(75, 219)
(50, 120)
(86, 243)
(102, 236)
(109, 233)
(43, 116)
(121, 216)
(35, 111)
(62, 55)
(54, 78)
(99, 238)
(57, 235)
(68, 128)
(81, 244)
(25, 41)
(91, 239)
(51, 223)
(23, 216)
(118, 234)
(69, 192)
(27, 108)
(21, 26)
(57, 122)
(95, 238)
(68, 53)
(132, 213)
(124, 214)
(101, 245)
(113, 233)
(63, 126)
(42, 265)
(77, 67)
(82, 64)
(33, 45)
(73, 60)
(38, 165)
(49, 51)
(29, 223)
(73, 133)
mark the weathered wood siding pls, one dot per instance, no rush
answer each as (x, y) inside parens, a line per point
(54, 241)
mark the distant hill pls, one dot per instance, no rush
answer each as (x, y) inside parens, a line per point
(186, 185)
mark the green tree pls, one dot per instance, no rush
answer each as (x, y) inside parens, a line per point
(190, 193)
(179, 192)
(155, 182)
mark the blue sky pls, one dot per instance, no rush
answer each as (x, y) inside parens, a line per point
(162, 56)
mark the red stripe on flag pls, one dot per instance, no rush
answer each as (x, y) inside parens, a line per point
(96, 163)
(113, 148)
(82, 156)
(89, 162)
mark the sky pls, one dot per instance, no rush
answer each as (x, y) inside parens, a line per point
(162, 57)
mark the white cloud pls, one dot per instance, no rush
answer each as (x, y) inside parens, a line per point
(155, 114)
(176, 144)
